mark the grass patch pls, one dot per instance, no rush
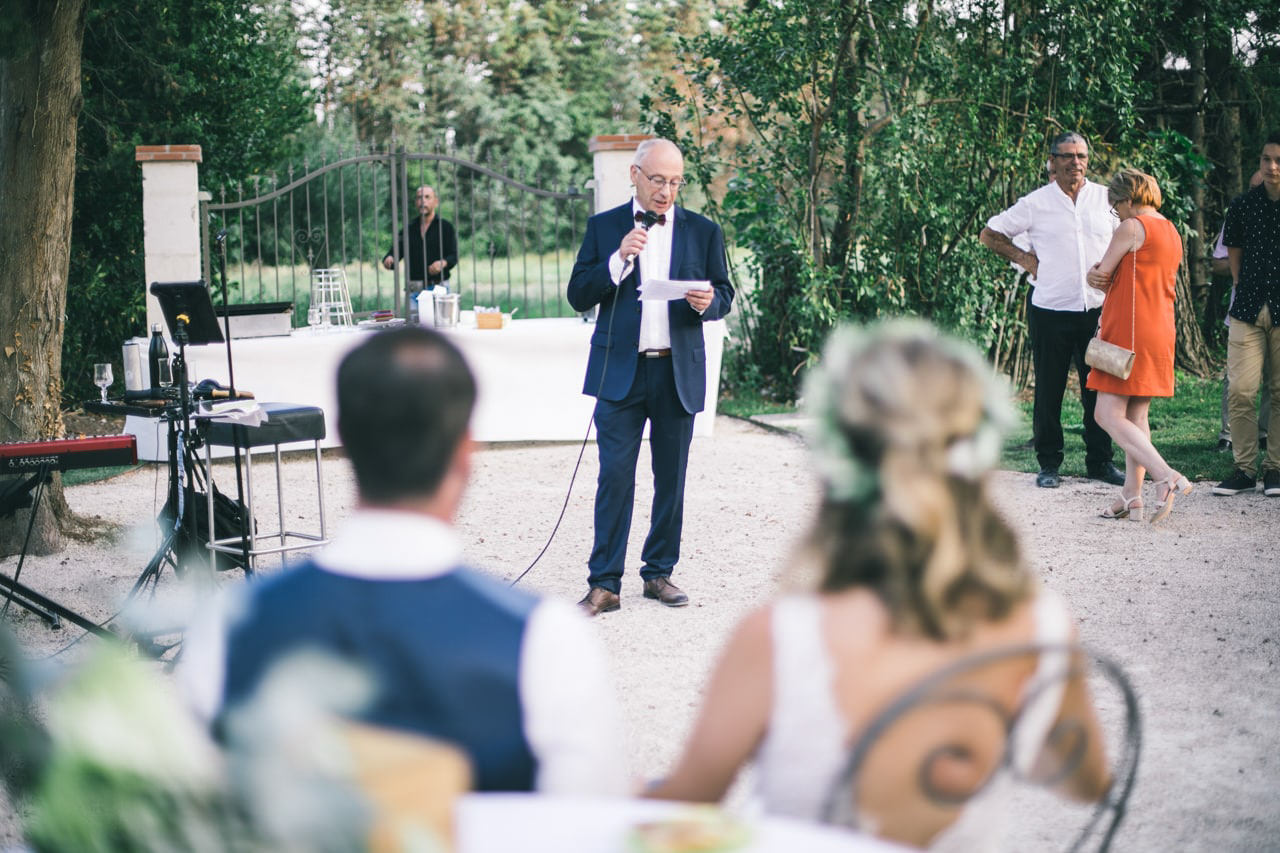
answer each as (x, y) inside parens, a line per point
(1184, 428)
(80, 476)
(533, 282)
(745, 404)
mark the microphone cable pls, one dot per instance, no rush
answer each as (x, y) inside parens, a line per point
(648, 220)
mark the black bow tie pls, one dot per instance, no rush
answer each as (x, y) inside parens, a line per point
(659, 219)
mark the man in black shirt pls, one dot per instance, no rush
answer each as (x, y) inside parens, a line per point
(1252, 238)
(428, 242)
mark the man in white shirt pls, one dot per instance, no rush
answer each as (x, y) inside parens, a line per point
(520, 685)
(1069, 224)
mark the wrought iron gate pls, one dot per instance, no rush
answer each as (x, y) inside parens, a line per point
(516, 242)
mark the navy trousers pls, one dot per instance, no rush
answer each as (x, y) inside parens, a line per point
(1058, 342)
(619, 427)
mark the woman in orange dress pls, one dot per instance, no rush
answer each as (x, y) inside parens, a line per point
(1138, 273)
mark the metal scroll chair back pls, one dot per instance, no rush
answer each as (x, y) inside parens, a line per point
(971, 732)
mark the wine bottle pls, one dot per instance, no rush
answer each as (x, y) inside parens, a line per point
(158, 352)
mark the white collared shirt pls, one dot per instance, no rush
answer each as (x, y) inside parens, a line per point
(1068, 238)
(654, 262)
(571, 718)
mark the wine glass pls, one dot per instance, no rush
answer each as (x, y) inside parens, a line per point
(102, 378)
(165, 373)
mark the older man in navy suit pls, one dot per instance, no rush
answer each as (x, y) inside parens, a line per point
(647, 363)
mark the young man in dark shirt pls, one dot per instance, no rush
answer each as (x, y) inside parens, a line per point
(1252, 238)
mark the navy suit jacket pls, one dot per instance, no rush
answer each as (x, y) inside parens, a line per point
(697, 253)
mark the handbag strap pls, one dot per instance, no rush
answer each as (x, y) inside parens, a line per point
(1133, 296)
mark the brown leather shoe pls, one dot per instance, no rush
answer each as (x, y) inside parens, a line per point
(666, 592)
(599, 600)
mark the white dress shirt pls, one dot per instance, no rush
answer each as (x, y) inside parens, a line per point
(655, 262)
(1067, 237)
(570, 712)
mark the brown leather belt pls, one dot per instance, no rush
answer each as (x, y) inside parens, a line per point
(656, 353)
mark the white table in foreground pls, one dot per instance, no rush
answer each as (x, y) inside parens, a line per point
(529, 376)
(531, 823)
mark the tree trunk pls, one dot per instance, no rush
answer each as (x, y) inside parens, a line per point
(1192, 355)
(39, 107)
(1199, 267)
(1226, 179)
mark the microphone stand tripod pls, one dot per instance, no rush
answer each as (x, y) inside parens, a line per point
(181, 502)
(182, 536)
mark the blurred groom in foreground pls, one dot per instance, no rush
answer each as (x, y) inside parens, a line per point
(519, 685)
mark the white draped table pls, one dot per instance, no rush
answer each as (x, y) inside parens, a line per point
(529, 377)
(502, 823)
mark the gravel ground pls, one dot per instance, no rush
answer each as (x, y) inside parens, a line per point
(1191, 609)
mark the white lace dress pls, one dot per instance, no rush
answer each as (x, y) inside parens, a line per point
(807, 740)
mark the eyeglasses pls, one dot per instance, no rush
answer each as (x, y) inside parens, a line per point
(1083, 158)
(658, 182)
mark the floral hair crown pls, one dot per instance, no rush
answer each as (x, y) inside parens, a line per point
(850, 478)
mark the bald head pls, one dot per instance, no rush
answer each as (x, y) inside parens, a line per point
(657, 171)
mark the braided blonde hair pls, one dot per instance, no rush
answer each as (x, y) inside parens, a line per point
(907, 423)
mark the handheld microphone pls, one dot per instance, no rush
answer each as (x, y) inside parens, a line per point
(647, 220)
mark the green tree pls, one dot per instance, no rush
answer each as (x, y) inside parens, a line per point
(1213, 69)
(222, 74)
(521, 86)
(40, 44)
(873, 141)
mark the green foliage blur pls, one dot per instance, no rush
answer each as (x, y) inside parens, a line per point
(519, 87)
(222, 74)
(852, 152)
(867, 146)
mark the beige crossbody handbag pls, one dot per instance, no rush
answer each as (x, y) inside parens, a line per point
(1110, 358)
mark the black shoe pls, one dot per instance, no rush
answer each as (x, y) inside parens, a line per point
(1262, 442)
(1048, 478)
(666, 592)
(1224, 445)
(1107, 473)
(1271, 484)
(1238, 482)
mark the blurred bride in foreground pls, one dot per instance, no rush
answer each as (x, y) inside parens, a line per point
(916, 571)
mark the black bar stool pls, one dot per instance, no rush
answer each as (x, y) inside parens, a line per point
(286, 423)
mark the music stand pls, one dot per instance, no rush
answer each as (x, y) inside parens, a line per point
(187, 307)
(189, 315)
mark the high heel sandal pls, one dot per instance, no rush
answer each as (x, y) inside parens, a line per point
(1175, 483)
(1131, 509)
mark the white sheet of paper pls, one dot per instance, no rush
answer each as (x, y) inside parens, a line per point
(665, 289)
(245, 412)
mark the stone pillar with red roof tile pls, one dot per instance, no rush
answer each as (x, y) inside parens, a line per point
(170, 218)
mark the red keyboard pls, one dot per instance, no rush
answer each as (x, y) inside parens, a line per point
(65, 454)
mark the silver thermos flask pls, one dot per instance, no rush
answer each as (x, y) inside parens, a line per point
(136, 377)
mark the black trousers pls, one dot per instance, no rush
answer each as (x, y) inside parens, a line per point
(1058, 341)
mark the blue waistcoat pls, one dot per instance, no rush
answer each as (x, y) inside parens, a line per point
(444, 653)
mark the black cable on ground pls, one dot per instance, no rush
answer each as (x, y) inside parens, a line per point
(604, 368)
